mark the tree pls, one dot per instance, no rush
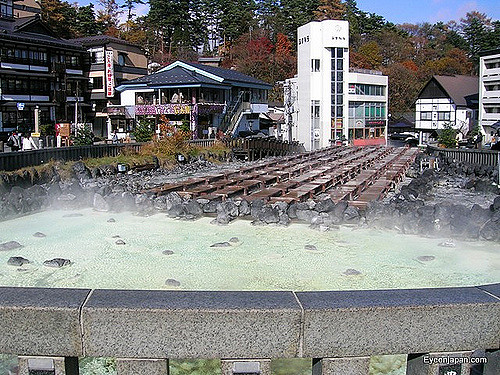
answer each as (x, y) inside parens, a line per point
(59, 17)
(83, 137)
(370, 53)
(448, 137)
(109, 16)
(144, 130)
(85, 22)
(330, 10)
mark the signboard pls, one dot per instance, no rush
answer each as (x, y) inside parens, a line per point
(316, 134)
(375, 123)
(20, 106)
(110, 75)
(63, 129)
(352, 89)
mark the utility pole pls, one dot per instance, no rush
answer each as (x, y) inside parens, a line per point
(76, 108)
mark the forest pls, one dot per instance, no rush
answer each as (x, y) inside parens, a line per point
(258, 37)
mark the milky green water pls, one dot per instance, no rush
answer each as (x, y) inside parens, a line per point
(266, 257)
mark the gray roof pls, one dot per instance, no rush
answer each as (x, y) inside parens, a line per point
(32, 30)
(97, 40)
(180, 75)
(461, 89)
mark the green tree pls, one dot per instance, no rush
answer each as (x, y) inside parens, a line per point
(83, 137)
(144, 130)
(330, 10)
(447, 137)
(109, 16)
(86, 23)
(59, 17)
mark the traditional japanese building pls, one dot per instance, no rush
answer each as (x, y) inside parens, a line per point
(112, 62)
(39, 74)
(209, 98)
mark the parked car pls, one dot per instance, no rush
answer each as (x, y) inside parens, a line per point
(401, 136)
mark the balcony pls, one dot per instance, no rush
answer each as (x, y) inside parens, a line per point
(339, 330)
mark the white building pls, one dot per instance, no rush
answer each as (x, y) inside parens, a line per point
(489, 94)
(331, 103)
(446, 100)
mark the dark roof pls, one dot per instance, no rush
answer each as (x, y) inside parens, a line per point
(97, 40)
(229, 74)
(463, 90)
(490, 52)
(32, 30)
(177, 75)
(182, 75)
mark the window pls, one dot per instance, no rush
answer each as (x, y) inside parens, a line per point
(314, 108)
(443, 116)
(97, 83)
(425, 115)
(315, 65)
(121, 59)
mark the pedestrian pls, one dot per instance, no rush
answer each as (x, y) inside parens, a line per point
(14, 142)
(115, 137)
(28, 143)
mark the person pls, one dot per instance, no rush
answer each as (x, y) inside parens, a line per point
(14, 142)
(28, 143)
(115, 137)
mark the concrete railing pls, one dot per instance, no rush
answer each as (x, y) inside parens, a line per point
(482, 157)
(339, 329)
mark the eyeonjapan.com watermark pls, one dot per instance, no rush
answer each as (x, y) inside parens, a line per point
(450, 360)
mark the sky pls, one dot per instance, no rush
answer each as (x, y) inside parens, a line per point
(409, 11)
(418, 11)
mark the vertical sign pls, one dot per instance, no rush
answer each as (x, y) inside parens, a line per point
(110, 75)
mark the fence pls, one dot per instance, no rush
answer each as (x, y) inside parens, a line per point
(482, 157)
(10, 161)
(339, 330)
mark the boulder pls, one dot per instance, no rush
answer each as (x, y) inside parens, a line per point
(496, 204)
(490, 231)
(228, 208)
(167, 252)
(176, 210)
(120, 242)
(339, 209)
(326, 205)
(17, 261)
(426, 258)
(81, 171)
(244, 208)
(39, 235)
(351, 272)
(269, 215)
(351, 214)
(193, 208)
(11, 245)
(111, 220)
(255, 208)
(310, 248)
(210, 207)
(292, 211)
(100, 204)
(284, 219)
(306, 215)
(57, 262)
(234, 240)
(221, 244)
(172, 283)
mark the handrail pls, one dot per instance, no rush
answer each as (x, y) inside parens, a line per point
(483, 157)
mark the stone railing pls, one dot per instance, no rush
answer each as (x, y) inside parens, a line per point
(50, 328)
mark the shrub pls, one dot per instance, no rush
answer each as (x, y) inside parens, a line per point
(144, 130)
(84, 136)
(447, 138)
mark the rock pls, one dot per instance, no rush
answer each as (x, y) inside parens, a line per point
(57, 262)
(306, 215)
(351, 214)
(193, 208)
(292, 211)
(496, 204)
(210, 207)
(284, 220)
(256, 207)
(202, 201)
(448, 243)
(100, 204)
(269, 215)
(17, 261)
(11, 245)
(120, 242)
(234, 240)
(221, 244)
(326, 205)
(310, 248)
(167, 252)
(111, 220)
(177, 210)
(351, 272)
(39, 235)
(339, 209)
(73, 215)
(172, 282)
(490, 231)
(81, 171)
(244, 208)
(426, 258)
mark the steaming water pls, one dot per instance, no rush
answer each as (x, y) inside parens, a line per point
(266, 258)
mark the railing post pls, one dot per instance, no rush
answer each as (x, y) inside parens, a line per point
(48, 365)
(438, 364)
(341, 366)
(249, 366)
(127, 366)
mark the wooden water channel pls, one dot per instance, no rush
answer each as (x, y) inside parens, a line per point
(354, 174)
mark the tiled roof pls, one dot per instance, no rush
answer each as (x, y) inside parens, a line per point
(229, 74)
(96, 40)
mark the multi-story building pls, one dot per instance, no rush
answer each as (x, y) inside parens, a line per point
(113, 61)
(39, 73)
(333, 103)
(207, 97)
(447, 100)
(489, 94)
